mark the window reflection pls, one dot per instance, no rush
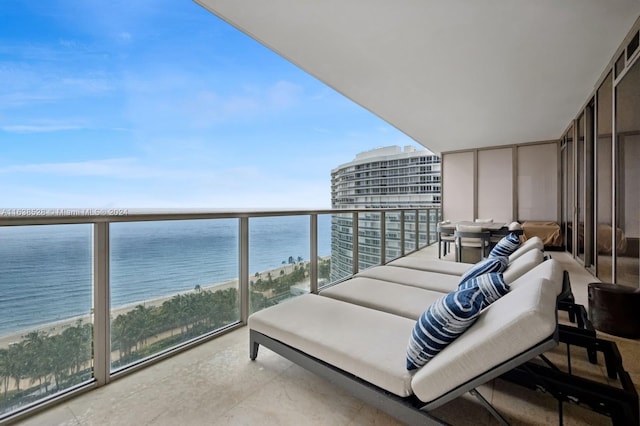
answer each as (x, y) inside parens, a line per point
(604, 182)
(627, 177)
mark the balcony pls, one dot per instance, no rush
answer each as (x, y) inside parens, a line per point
(206, 376)
(216, 383)
(90, 297)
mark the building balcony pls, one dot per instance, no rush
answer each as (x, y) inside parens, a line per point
(215, 383)
(89, 296)
(208, 378)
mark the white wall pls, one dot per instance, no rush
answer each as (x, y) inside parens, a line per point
(495, 184)
(536, 183)
(457, 186)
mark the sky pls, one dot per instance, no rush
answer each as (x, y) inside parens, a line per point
(160, 104)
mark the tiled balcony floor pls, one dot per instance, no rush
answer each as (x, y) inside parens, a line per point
(217, 384)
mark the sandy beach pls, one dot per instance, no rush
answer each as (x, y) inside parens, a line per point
(59, 326)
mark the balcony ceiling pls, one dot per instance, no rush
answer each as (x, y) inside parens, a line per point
(450, 74)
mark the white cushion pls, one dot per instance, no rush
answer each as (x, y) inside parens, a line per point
(522, 265)
(367, 343)
(405, 300)
(433, 265)
(423, 279)
(519, 320)
(514, 226)
(550, 270)
(530, 244)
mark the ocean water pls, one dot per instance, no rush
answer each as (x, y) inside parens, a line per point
(46, 271)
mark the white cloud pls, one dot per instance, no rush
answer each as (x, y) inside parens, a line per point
(284, 94)
(175, 99)
(87, 85)
(240, 188)
(20, 98)
(124, 36)
(115, 167)
(23, 128)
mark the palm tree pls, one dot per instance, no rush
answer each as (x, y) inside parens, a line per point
(122, 334)
(4, 371)
(17, 364)
(78, 338)
(61, 359)
(38, 363)
(324, 269)
(141, 317)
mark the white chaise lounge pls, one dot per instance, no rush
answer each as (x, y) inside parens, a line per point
(422, 262)
(363, 348)
(355, 334)
(405, 297)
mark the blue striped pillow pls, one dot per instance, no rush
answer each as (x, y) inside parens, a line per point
(506, 246)
(490, 264)
(450, 316)
(492, 286)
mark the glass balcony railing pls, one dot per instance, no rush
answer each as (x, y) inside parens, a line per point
(85, 298)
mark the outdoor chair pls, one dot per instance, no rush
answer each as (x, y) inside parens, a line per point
(471, 236)
(445, 238)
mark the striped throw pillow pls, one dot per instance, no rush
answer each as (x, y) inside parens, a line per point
(450, 316)
(506, 246)
(491, 285)
(490, 264)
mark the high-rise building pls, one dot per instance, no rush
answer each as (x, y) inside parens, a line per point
(388, 177)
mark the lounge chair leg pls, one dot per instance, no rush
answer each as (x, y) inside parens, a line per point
(560, 413)
(489, 407)
(253, 349)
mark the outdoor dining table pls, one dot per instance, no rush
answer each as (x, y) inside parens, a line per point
(495, 229)
(492, 227)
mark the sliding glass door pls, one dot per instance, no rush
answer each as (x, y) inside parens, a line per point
(604, 181)
(627, 151)
(566, 157)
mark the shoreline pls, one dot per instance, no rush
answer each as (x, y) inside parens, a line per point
(59, 326)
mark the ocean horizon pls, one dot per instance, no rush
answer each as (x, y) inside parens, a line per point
(46, 270)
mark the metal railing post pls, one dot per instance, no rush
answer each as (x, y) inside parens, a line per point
(417, 230)
(428, 229)
(383, 237)
(244, 269)
(402, 230)
(354, 244)
(313, 250)
(101, 303)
